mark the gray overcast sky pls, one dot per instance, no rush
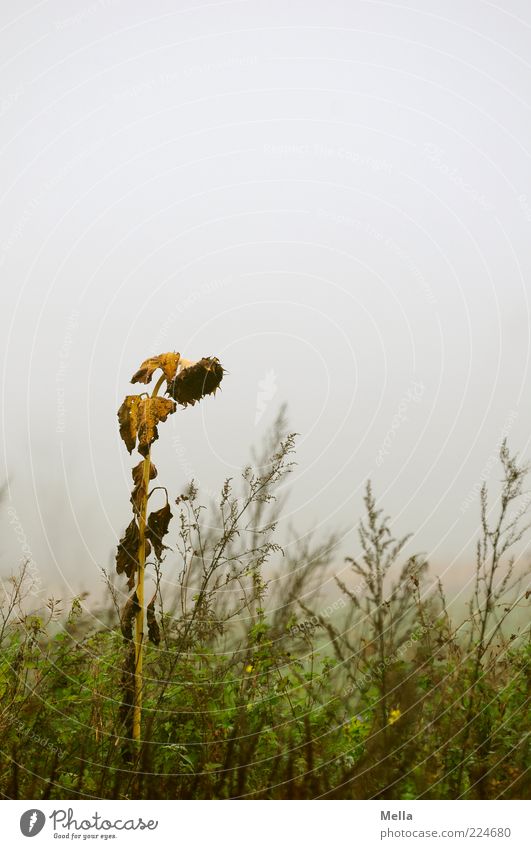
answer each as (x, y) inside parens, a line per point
(332, 197)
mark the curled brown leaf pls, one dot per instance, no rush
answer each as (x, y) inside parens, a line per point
(167, 362)
(151, 411)
(127, 552)
(153, 625)
(129, 612)
(128, 419)
(139, 490)
(157, 528)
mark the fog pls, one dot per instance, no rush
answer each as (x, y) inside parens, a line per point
(333, 198)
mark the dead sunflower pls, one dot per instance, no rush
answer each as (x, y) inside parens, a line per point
(196, 380)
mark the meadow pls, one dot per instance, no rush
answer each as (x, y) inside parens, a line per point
(256, 684)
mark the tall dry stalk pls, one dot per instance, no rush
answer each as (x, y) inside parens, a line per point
(139, 416)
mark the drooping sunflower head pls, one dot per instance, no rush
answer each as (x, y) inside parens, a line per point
(195, 380)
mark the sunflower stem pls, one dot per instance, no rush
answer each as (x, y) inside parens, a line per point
(140, 614)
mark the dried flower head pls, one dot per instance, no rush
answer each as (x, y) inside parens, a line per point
(194, 381)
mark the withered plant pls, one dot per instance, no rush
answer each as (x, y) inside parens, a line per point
(139, 416)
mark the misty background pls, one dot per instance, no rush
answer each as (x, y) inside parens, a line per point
(333, 198)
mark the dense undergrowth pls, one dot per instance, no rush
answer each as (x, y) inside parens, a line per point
(269, 681)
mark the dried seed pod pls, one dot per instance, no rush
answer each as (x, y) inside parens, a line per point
(195, 381)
